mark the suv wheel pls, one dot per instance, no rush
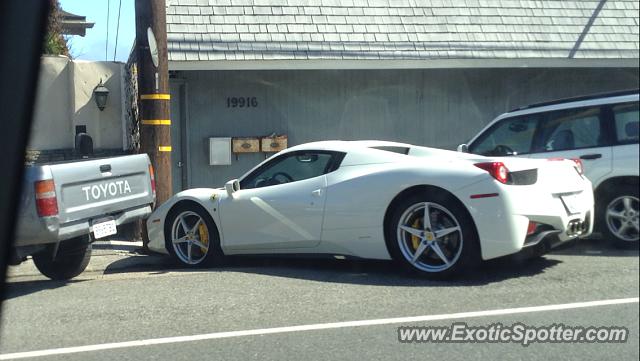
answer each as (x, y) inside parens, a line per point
(618, 216)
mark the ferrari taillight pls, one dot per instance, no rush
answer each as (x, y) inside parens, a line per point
(579, 165)
(497, 170)
(46, 201)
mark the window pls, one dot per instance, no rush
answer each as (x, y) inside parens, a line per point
(571, 129)
(291, 167)
(508, 137)
(399, 150)
(626, 116)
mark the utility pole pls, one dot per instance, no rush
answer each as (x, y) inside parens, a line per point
(153, 90)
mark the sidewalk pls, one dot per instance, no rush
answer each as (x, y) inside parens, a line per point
(107, 257)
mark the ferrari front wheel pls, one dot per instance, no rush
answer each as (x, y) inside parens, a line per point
(191, 236)
(433, 235)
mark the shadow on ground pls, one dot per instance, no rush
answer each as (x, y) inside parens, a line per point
(381, 273)
(596, 247)
(23, 288)
(366, 272)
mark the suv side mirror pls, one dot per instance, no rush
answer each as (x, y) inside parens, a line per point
(463, 148)
(232, 186)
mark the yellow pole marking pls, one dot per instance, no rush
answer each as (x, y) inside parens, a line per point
(164, 148)
(155, 96)
(156, 121)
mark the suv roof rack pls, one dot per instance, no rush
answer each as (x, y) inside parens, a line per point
(579, 98)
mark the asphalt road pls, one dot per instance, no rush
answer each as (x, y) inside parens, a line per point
(143, 298)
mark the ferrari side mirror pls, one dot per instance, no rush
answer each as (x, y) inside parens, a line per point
(232, 186)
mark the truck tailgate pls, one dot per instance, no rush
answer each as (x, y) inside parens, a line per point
(99, 187)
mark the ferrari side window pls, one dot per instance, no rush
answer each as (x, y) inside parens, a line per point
(290, 168)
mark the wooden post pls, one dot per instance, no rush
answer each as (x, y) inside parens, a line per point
(153, 90)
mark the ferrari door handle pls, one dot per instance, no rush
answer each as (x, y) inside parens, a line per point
(317, 192)
(591, 156)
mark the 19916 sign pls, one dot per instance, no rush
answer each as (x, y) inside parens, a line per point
(242, 102)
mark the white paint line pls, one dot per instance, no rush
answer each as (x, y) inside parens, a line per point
(125, 243)
(313, 327)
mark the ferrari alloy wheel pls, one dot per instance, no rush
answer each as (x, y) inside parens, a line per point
(192, 237)
(432, 235)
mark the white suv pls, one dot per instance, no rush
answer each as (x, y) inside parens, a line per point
(600, 130)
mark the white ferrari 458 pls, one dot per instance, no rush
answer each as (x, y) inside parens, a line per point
(434, 211)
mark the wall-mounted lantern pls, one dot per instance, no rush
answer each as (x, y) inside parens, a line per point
(101, 93)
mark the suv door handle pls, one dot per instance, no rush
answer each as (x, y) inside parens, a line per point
(591, 156)
(317, 192)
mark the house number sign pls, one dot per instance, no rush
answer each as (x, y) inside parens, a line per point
(242, 102)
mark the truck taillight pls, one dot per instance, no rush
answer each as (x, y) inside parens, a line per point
(153, 180)
(46, 201)
(497, 170)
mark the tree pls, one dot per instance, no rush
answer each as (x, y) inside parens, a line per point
(54, 42)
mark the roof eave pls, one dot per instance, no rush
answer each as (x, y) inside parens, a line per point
(318, 64)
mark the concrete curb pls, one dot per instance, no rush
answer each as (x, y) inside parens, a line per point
(106, 258)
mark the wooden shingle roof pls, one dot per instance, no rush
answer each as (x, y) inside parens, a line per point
(230, 30)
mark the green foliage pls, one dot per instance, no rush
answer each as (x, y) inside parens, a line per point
(54, 42)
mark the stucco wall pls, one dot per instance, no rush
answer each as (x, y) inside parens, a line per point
(432, 107)
(65, 99)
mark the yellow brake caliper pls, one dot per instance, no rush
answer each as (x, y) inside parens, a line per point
(204, 236)
(415, 240)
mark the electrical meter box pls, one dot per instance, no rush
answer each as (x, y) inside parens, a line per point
(219, 151)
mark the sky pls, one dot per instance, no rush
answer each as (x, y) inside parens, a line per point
(92, 45)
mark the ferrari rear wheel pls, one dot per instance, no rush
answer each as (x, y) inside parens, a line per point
(433, 235)
(191, 236)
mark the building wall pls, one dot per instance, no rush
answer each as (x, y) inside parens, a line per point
(431, 107)
(65, 99)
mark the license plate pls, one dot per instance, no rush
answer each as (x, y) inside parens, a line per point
(572, 203)
(104, 227)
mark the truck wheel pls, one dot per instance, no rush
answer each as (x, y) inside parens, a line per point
(617, 216)
(72, 258)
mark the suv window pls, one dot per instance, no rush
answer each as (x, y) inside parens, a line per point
(571, 129)
(507, 137)
(290, 167)
(626, 117)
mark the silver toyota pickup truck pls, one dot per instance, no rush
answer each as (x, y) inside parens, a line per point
(66, 206)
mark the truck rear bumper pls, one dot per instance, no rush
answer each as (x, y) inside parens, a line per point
(50, 231)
